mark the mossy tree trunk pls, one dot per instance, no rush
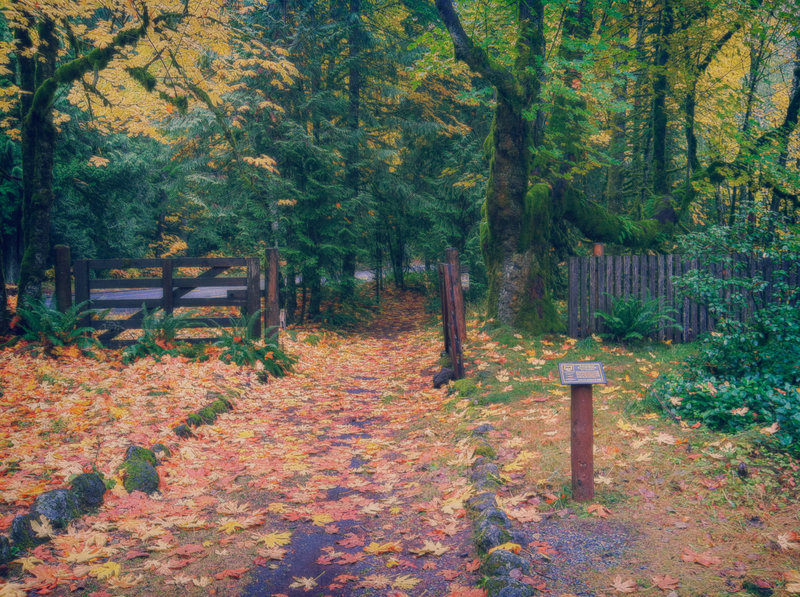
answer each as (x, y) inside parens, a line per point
(528, 201)
(40, 81)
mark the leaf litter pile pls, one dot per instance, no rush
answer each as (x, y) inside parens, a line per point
(349, 477)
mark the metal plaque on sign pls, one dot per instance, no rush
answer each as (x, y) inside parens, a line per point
(584, 373)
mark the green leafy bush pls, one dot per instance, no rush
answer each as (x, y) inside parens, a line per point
(159, 336)
(632, 319)
(746, 372)
(51, 328)
(239, 347)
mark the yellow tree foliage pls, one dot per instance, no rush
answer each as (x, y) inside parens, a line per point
(194, 54)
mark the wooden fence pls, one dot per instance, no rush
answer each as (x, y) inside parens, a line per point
(593, 281)
(176, 290)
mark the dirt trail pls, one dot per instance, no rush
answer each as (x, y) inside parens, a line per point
(345, 456)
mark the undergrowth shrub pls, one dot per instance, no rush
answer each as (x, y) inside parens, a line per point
(52, 329)
(746, 373)
(240, 347)
(632, 319)
(160, 335)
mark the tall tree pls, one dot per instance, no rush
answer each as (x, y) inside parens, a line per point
(529, 195)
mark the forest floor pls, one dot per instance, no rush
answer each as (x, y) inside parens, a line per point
(350, 476)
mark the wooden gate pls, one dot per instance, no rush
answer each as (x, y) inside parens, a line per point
(172, 289)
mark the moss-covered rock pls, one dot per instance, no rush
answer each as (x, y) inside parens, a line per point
(207, 414)
(220, 406)
(89, 489)
(139, 475)
(484, 448)
(488, 535)
(194, 420)
(161, 451)
(58, 506)
(501, 562)
(139, 453)
(6, 555)
(183, 431)
(22, 533)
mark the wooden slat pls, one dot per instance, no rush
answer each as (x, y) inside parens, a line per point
(135, 323)
(572, 297)
(593, 283)
(661, 292)
(669, 294)
(177, 262)
(608, 291)
(626, 276)
(167, 298)
(583, 284)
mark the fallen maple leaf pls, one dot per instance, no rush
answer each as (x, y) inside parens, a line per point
(126, 581)
(378, 548)
(272, 553)
(351, 540)
(405, 581)
(624, 586)
(666, 582)
(473, 565)
(704, 559)
(430, 547)
(275, 539)
(599, 510)
(512, 547)
(303, 582)
(230, 573)
(376, 581)
(43, 528)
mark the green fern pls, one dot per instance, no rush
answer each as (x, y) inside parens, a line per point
(633, 320)
(52, 328)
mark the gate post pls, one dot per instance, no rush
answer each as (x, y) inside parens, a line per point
(63, 278)
(272, 311)
(451, 255)
(253, 301)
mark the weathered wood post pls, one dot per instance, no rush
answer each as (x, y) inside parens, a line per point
(167, 297)
(63, 278)
(580, 377)
(451, 256)
(253, 297)
(450, 314)
(272, 310)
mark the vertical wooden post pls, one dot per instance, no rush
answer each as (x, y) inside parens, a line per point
(253, 300)
(272, 311)
(572, 298)
(582, 442)
(454, 348)
(451, 255)
(445, 307)
(63, 278)
(81, 268)
(167, 298)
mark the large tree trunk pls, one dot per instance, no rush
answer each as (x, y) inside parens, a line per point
(660, 89)
(38, 149)
(40, 80)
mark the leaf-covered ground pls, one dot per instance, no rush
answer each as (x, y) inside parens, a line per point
(349, 477)
(342, 478)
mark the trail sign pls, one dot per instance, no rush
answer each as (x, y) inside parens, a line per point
(581, 376)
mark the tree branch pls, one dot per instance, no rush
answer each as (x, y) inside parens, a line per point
(475, 57)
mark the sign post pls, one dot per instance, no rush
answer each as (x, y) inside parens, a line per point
(581, 376)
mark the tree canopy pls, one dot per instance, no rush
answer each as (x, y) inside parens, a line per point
(375, 133)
